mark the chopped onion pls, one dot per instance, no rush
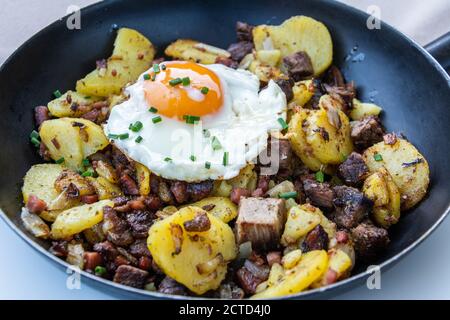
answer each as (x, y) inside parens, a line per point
(34, 224)
(245, 250)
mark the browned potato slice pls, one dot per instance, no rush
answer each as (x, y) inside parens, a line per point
(62, 106)
(191, 50)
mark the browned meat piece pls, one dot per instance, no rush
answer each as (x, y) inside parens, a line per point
(240, 49)
(278, 150)
(106, 249)
(262, 186)
(369, 240)
(200, 223)
(298, 65)
(353, 170)
(120, 201)
(139, 221)
(153, 202)
(88, 199)
(139, 248)
(286, 85)
(129, 186)
(244, 31)
(334, 77)
(137, 203)
(59, 248)
(164, 192)
(35, 205)
(251, 275)
(170, 286)
(145, 263)
(116, 229)
(366, 132)
(351, 206)
(41, 114)
(237, 193)
(298, 185)
(91, 115)
(92, 260)
(121, 162)
(199, 190)
(319, 194)
(130, 276)
(179, 191)
(260, 221)
(390, 138)
(316, 239)
(44, 153)
(273, 257)
(343, 94)
(227, 62)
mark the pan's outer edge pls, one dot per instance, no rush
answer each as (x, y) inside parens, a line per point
(139, 293)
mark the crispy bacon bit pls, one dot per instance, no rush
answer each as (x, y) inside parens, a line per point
(88, 199)
(200, 223)
(91, 260)
(342, 237)
(390, 138)
(412, 163)
(114, 72)
(145, 263)
(177, 237)
(129, 186)
(44, 153)
(56, 143)
(72, 191)
(41, 114)
(35, 205)
(237, 193)
(323, 133)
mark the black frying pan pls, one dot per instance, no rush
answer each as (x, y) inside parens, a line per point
(412, 87)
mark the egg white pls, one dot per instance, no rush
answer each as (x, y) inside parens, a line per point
(242, 126)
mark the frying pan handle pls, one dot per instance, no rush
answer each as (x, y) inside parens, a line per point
(440, 50)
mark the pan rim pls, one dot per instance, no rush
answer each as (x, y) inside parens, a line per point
(306, 294)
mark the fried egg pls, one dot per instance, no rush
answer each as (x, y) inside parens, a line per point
(192, 122)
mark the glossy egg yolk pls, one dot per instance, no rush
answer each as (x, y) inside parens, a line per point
(178, 89)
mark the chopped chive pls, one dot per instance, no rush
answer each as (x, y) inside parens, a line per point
(208, 165)
(153, 110)
(167, 159)
(136, 127)
(113, 136)
(124, 136)
(377, 157)
(60, 160)
(288, 195)
(88, 173)
(225, 158)
(87, 97)
(154, 77)
(34, 134)
(163, 67)
(99, 270)
(206, 133)
(204, 90)
(175, 81)
(57, 94)
(35, 142)
(146, 76)
(193, 158)
(283, 123)
(320, 177)
(156, 68)
(215, 143)
(138, 139)
(156, 119)
(191, 119)
(185, 81)
(85, 162)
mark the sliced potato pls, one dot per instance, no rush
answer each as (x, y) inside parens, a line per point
(196, 259)
(106, 170)
(269, 57)
(264, 72)
(310, 268)
(75, 220)
(303, 92)
(245, 179)
(132, 55)
(363, 109)
(298, 33)
(92, 137)
(40, 181)
(68, 177)
(62, 106)
(143, 178)
(104, 188)
(191, 50)
(34, 224)
(407, 167)
(339, 263)
(220, 207)
(300, 220)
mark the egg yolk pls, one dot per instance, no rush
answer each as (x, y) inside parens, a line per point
(183, 89)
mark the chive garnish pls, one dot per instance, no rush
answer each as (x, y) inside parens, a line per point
(34, 138)
(99, 270)
(163, 67)
(206, 133)
(35, 142)
(191, 119)
(156, 68)
(122, 136)
(185, 81)
(167, 159)
(175, 81)
(208, 165)
(193, 158)
(136, 127)
(85, 162)
(320, 177)
(156, 119)
(225, 158)
(88, 173)
(113, 136)
(283, 123)
(288, 195)
(34, 134)
(153, 110)
(146, 76)
(377, 157)
(215, 143)
(139, 139)
(60, 160)
(57, 94)
(204, 90)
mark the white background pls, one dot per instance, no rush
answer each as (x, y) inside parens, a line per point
(24, 274)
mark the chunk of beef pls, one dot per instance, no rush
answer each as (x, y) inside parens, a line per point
(230, 63)
(152, 202)
(273, 257)
(343, 94)
(251, 275)
(262, 186)
(284, 150)
(106, 249)
(353, 170)
(237, 193)
(320, 194)
(170, 286)
(121, 162)
(244, 31)
(286, 86)
(139, 248)
(199, 223)
(277, 156)
(334, 77)
(240, 49)
(316, 239)
(139, 221)
(351, 206)
(130, 276)
(366, 132)
(298, 65)
(41, 114)
(200, 190)
(369, 240)
(260, 221)
(116, 229)
(129, 186)
(179, 191)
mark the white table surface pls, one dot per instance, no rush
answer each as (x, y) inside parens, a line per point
(25, 274)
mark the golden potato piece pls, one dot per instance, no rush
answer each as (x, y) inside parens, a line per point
(191, 50)
(62, 106)
(310, 268)
(75, 220)
(220, 207)
(300, 220)
(407, 167)
(298, 33)
(91, 134)
(197, 260)
(40, 181)
(143, 178)
(363, 109)
(339, 262)
(269, 57)
(303, 92)
(104, 188)
(264, 72)
(132, 55)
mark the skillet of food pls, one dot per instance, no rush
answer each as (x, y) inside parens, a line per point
(348, 179)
